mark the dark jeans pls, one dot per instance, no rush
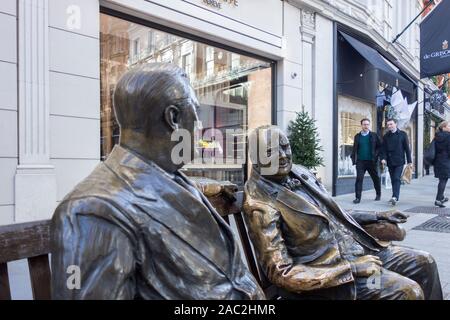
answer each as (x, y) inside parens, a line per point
(441, 188)
(396, 174)
(361, 167)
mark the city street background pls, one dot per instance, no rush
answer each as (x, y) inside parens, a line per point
(420, 193)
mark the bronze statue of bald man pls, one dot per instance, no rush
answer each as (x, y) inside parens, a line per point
(311, 248)
(136, 227)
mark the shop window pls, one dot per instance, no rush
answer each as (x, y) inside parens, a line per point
(209, 61)
(187, 63)
(234, 91)
(136, 48)
(150, 42)
(235, 60)
(351, 111)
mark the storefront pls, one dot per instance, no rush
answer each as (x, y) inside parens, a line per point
(79, 49)
(434, 113)
(366, 82)
(234, 88)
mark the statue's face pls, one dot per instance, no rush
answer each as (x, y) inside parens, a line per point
(189, 118)
(283, 148)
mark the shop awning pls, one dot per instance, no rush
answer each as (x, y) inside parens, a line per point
(385, 73)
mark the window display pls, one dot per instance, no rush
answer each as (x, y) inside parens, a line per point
(234, 91)
(351, 111)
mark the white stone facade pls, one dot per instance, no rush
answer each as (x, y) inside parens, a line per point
(50, 85)
(381, 21)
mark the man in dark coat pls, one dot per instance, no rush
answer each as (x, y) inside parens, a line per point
(395, 149)
(442, 161)
(136, 227)
(365, 153)
(310, 247)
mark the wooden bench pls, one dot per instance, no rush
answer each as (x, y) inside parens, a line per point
(31, 241)
(26, 241)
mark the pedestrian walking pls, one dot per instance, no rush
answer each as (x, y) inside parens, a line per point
(395, 148)
(365, 154)
(442, 161)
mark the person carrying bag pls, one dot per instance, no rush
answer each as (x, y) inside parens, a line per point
(442, 161)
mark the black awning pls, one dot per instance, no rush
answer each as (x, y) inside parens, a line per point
(434, 41)
(384, 72)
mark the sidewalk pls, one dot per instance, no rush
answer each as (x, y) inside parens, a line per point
(420, 193)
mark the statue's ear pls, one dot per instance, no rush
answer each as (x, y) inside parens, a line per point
(172, 116)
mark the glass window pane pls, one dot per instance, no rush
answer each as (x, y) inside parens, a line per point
(351, 111)
(234, 91)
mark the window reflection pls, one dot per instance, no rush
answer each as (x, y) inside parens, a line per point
(234, 91)
(351, 111)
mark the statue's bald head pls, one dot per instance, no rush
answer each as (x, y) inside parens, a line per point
(142, 94)
(152, 102)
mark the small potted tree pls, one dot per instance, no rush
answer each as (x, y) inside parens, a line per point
(305, 142)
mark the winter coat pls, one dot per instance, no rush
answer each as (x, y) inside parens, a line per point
(442, 158)
(395, 148)
(375, 143)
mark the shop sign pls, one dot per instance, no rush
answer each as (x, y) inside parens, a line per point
(218, 4)
(434, 41)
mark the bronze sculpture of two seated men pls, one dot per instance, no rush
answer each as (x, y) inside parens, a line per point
(138, 228)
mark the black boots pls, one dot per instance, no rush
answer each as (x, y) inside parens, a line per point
(439, 204)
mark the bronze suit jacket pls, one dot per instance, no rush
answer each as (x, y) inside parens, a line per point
(294, 244)
(134, 232)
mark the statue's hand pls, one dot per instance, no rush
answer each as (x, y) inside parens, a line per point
(229, 190)
(393, 216)
(211, 188)
(366, 266)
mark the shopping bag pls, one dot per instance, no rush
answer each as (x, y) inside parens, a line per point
(385, 177)
(407, 174)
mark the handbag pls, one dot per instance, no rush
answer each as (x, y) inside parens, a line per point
(430, 153)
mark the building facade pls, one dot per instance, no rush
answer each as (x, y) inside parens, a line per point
(434, 115)
(250, 62)
(365, 71)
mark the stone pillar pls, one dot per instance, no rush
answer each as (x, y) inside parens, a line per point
(35, 181)
(308, 64)
(289, 70)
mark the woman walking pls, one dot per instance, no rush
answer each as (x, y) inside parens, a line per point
(442, 161)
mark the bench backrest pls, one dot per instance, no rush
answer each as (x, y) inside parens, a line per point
(26, 241)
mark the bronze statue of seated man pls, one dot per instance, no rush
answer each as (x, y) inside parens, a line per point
(137, 227)
(311, 248)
